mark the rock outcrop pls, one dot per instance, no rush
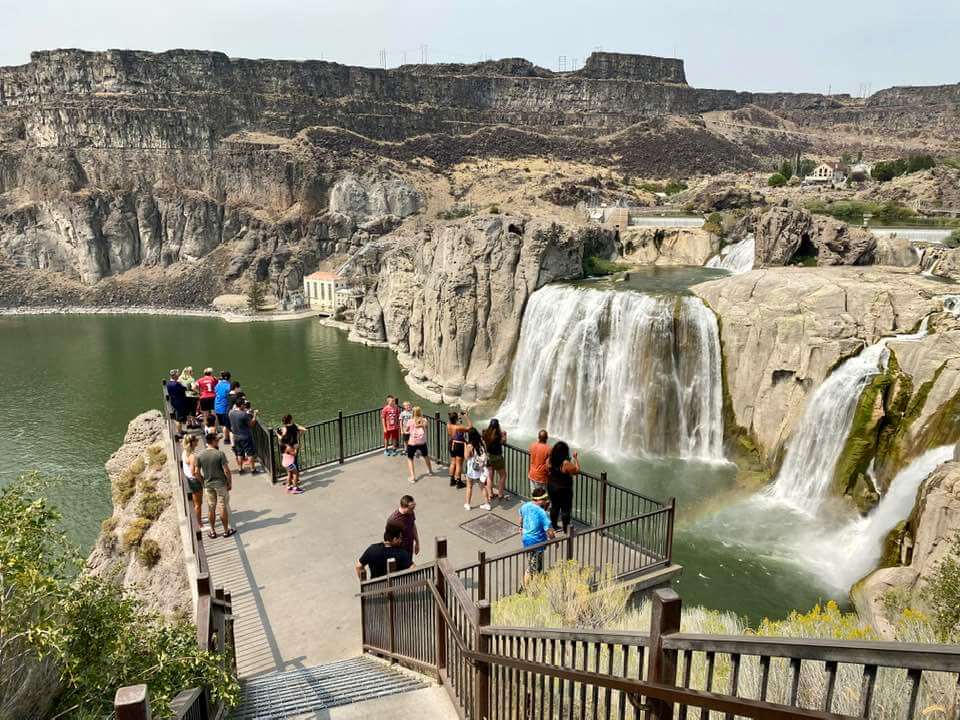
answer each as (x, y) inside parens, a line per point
(450, 298)
(667, 246)
(916, 550)
(786, 234)
(784, 329)
(895, 252)
(140, 544)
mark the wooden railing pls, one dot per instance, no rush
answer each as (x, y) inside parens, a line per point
(427, 619)
(213, 619)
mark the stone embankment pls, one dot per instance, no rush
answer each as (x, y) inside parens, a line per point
(140, 543)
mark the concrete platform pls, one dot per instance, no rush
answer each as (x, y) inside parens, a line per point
(290, 567)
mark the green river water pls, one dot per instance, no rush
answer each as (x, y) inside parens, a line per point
(74, 382)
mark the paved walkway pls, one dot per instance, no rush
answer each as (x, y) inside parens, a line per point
(290, 568)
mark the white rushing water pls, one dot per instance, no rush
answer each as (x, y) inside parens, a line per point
(924, 235)
(845, 555)
(619, 372)
(667, 221)
(737, 258)
(815, 446)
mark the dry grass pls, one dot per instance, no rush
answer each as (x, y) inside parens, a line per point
(148, 553)
(133, 535)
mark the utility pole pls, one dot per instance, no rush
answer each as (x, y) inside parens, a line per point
(423, 54)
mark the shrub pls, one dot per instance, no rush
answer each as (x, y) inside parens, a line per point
(786, 170)
(670, 188)
(594, 266)
(953, 239)
(494, 210)
(137, 466)
(777, 180)
(108, 525)
(157, 456)
(885, 171)
(147, 485)
(714, 225)
(94, 635)
(852, 211)
(456, 212)
(152, 505)
(135, 532)
(148, 553)
(942, 593)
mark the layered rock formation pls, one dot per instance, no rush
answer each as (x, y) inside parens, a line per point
(450, 298)
(787, 234)
(667, 246)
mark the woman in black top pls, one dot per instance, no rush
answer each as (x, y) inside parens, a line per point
(561, 469)
(494, 439)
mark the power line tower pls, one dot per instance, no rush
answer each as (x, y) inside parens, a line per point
(423, 54)
(383, 59)
(562, 63)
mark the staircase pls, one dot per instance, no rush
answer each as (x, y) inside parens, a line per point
(298, 692)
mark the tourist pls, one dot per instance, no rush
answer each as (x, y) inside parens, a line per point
(235, 395)
(190, 388)
(375, 557)
(405, 518)
(290, 432)
(405, 416)
(188, 461)
(494, 440)
(561, 468)
(221, 404)
(457, 438)
(288, 458)
(210, 424)
(241, 425)
(539, 455)
(390, 420)
(475, 460)
(417, 442)
(217, 482)
(205, 386)
(536, 527)
(177, 395)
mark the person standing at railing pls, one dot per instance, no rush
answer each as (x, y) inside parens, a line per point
(417, 442)
(562, 467)
(177, 395)
(494, 439)
(405, 415)
(221, 404)
(475, 459)
(205, 386)
(375, 557)
(390, 421)
(241, 424)
(190, 388)
(457, 437)
(188, 461)
(539, 456)
(536, 527)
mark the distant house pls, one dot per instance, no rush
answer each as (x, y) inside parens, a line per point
(320, 290)
(827, 173)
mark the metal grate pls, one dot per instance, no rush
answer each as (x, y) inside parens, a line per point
(491, 528)
(286, 694)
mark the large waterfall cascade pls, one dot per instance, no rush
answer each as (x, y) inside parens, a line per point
(737, 258)
(620, 372)
(813, 450)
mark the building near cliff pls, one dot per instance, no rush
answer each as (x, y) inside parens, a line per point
(827, 173)
(320, 290)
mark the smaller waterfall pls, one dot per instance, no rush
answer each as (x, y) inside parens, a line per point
(935, 236)
(738, 258)
(846, 555)
(951, 304)
(816, 444)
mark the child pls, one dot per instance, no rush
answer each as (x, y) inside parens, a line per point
(289, 461)
(210, 425)
(405, 416)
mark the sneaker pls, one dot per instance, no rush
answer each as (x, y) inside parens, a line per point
(411, 480)
(386, 453)
(289, 489)
(461, 484)
(453, 481)
(467, 507)
(486, 506)
(297, 491)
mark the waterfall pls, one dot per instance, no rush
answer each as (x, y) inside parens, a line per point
(619, 372)
(846, 555)
(812, 454)
(935, 236)
(736, 258)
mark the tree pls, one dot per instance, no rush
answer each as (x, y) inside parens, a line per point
(786, 169)
(255, 296)
(953, 239)
(806, 167)
(777, 180)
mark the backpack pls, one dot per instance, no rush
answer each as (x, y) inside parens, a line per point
(478, 463)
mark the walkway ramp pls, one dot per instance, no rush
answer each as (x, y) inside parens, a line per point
(358, 687)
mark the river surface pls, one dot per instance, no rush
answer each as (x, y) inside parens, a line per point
(74, 382)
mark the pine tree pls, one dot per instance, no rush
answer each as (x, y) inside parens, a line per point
(255, 296)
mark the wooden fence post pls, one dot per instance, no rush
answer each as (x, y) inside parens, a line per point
(482, 690)
(662, 663)
(440, 623)
(481, 575)
(132, 703)
(340, 435)
(391, 606)
(603, 498)
(570, 542)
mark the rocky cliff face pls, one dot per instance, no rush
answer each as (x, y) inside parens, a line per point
(450, 298)
(786, 234)
(784, 329)
(140, 544)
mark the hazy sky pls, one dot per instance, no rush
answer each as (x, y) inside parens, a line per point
(739, 44)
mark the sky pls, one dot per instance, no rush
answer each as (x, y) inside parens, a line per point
(759, 45)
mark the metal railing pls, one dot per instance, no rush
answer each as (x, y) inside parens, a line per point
(506, 673)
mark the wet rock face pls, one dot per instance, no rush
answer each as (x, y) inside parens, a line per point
(450, 299)
(784, 235)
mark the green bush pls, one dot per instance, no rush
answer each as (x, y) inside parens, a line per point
(456, 212)
(852, 211)
(885, 171)
(149, 553)
(594, 266)
(786, 170)
(96, 635)
(494, 210)
(108, 525)
(953, 239)
(134, 534)
(256, 296)
(670, 188)
(942, 593)
(777, 180)
(152, 505)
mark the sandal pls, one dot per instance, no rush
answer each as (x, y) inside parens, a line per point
(230, 532)
(212, 534)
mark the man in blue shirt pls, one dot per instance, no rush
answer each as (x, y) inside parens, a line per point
(536, 529)
(221, 404)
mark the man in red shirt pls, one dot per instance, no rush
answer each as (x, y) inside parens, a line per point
(390, 420)
(206, 386)
(539, 455)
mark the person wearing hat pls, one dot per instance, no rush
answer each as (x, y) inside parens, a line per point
(177, 395)
(536, 530)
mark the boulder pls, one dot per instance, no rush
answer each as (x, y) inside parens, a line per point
(663, 246)
(896, 252)
(785, 234)
(779, 235)
(837, 243)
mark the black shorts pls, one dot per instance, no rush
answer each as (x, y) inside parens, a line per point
(224, 420)
(206, 404)
(179, 413)
(456, 449)
(243, 447)
(413, 449)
